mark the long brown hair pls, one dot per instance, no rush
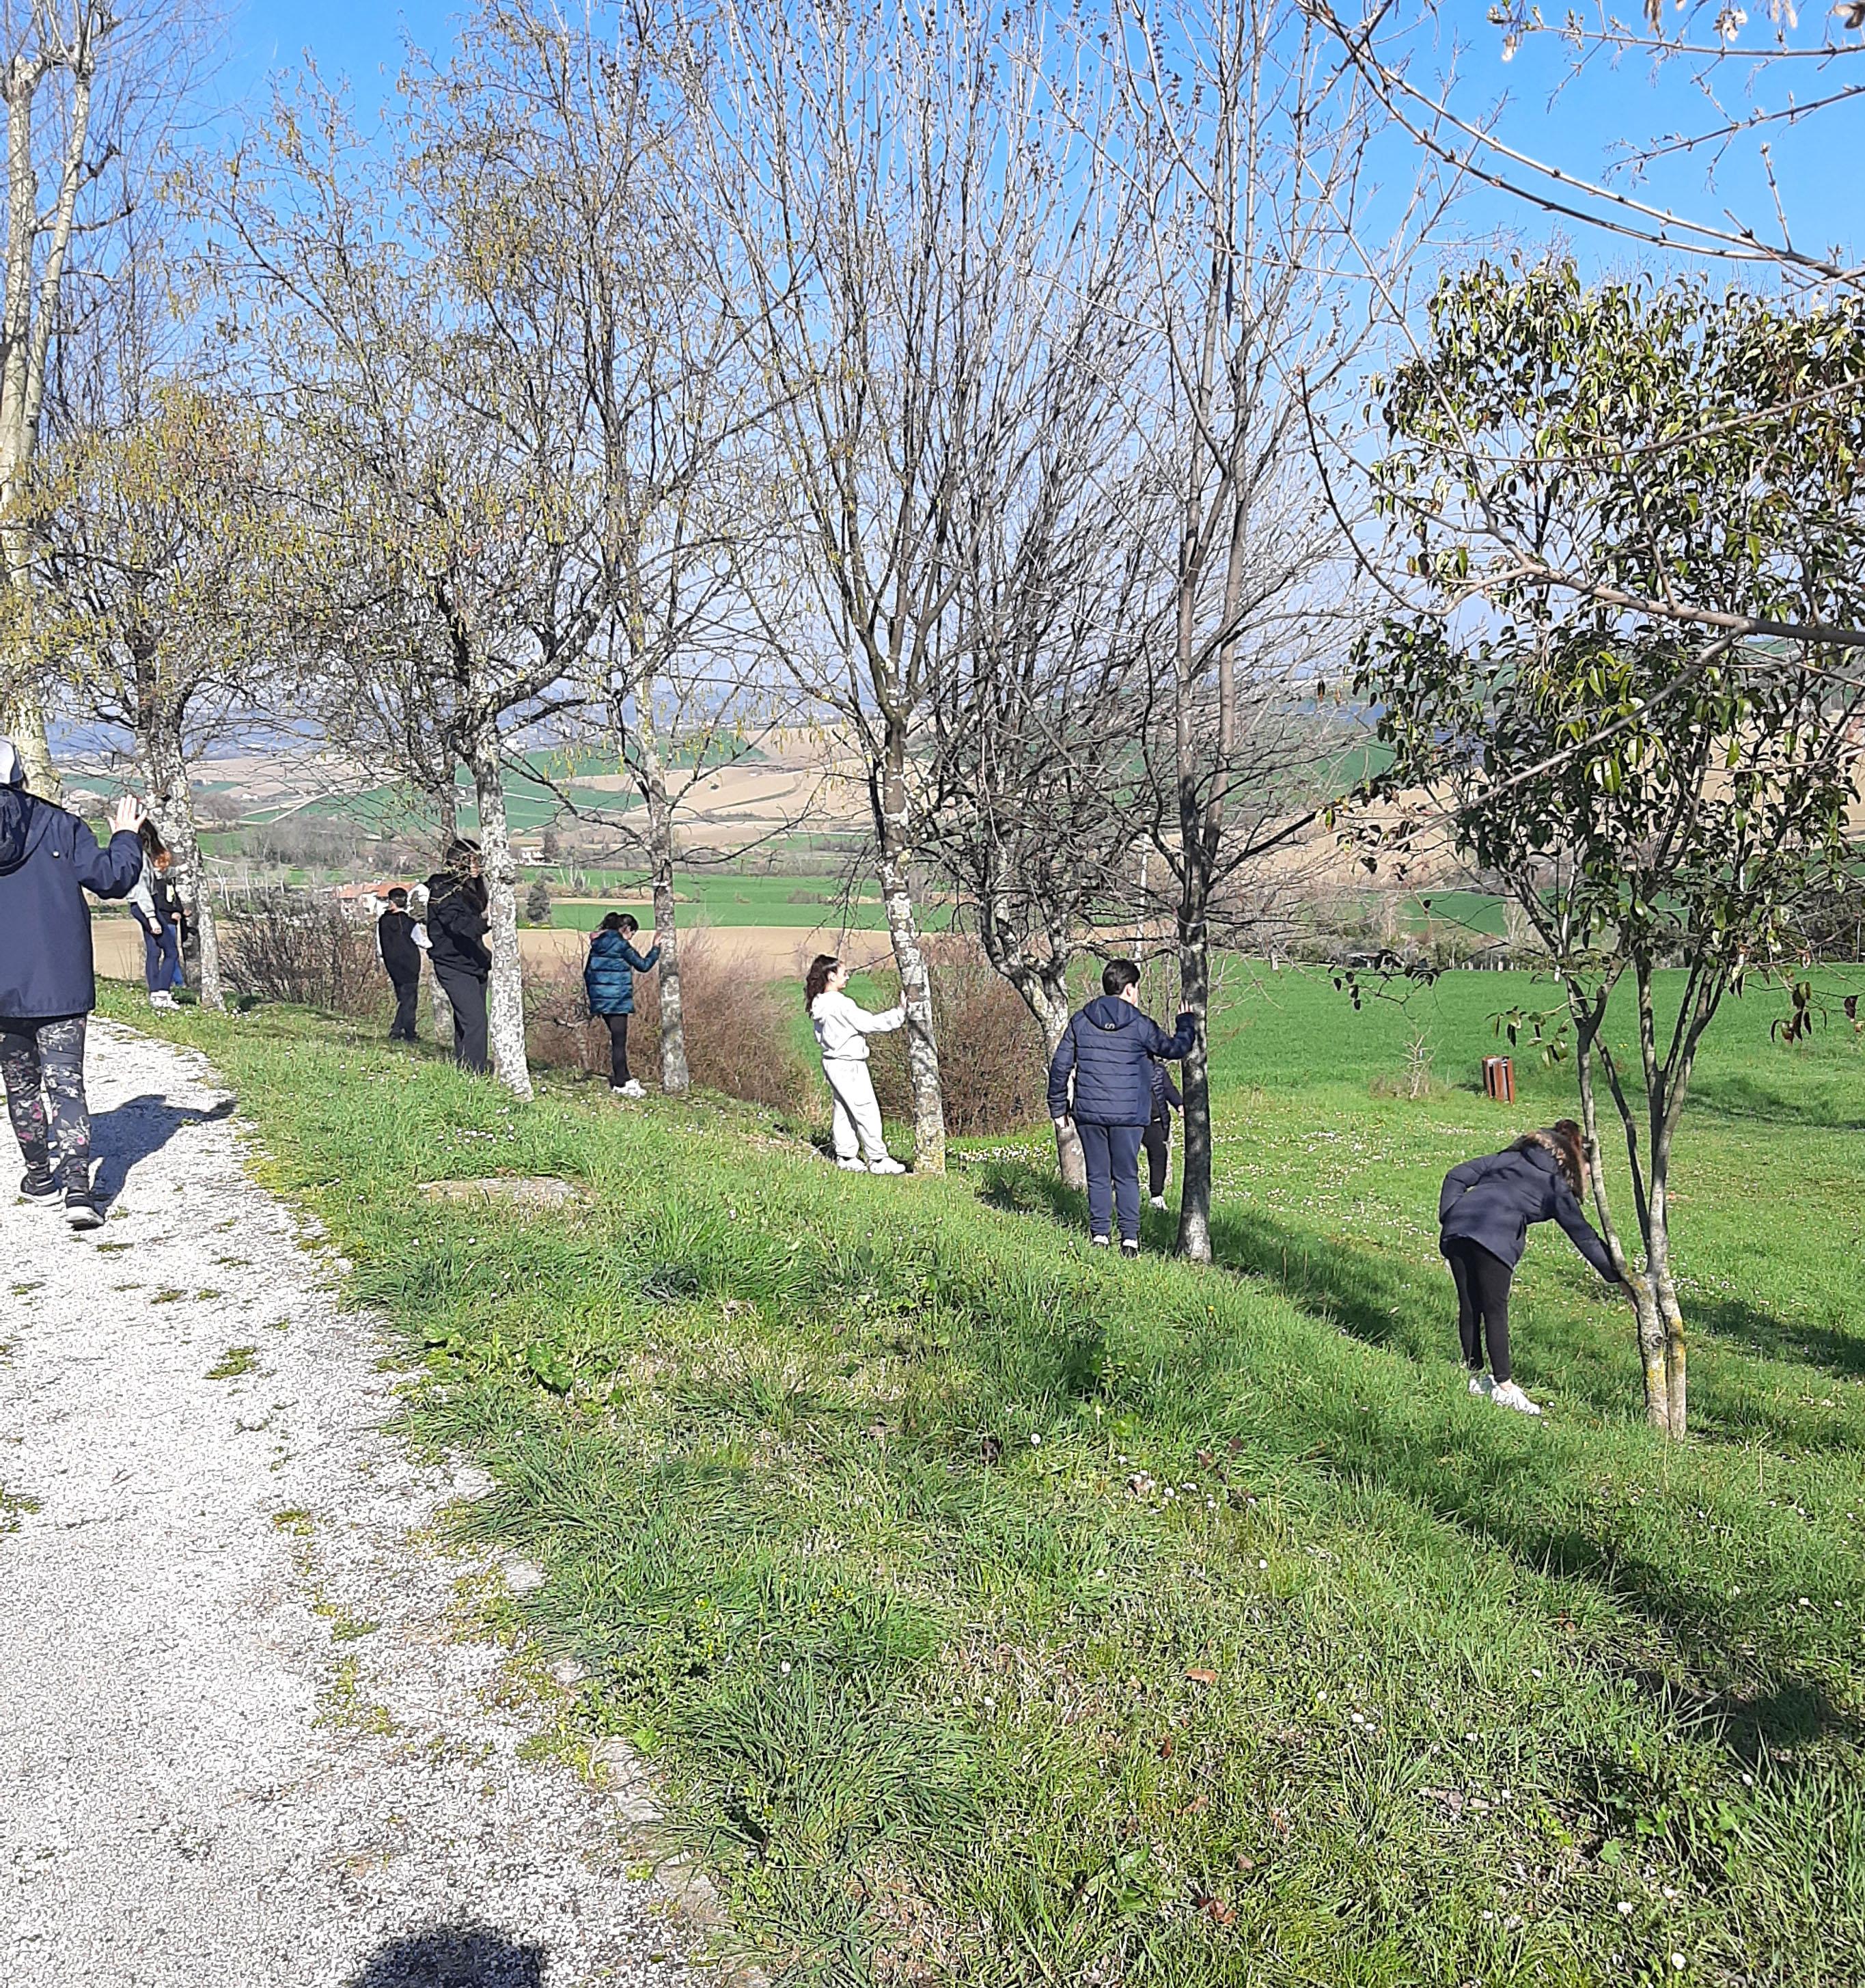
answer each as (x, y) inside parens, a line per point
(1563, 1140)
(816, 980)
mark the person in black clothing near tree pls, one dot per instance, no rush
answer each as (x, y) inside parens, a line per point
(457, 927)
(400, 942)
(1157, 1138)
(1484, 1211)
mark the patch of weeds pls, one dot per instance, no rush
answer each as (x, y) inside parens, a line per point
(112, 1248)
(294, 1520)
(168, 1295)
(206, 1297)
(235, 1361)
(13, 1506)
(343, 1706)
(347, 1628)
(26, 1290)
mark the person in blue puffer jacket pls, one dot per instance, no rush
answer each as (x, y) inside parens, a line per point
(608, 979)
(1109, 1050)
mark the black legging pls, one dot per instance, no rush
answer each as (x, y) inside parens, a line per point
(466, 994)
(1483, 1280)
(618, 1050)
(1158, 1141)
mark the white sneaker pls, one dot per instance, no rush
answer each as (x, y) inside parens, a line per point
(1159, 1201)
(1506, 1394)
(1480, 1383)
(633, 1088)
(852, 1166)
(889, 1165)
(162, 998)
(1099, 1242)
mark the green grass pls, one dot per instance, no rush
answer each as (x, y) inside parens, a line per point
(806, 902)
(1001, 1614)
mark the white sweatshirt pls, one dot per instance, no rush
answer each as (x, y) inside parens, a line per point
(841, 1028)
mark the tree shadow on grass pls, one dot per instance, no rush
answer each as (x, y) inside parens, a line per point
(1743, 1100)
(1503, 1497)
(455, 1956)
(1821, 1346)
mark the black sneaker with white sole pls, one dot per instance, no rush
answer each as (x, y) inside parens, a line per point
(82, 1211)
(46, 1190)
(1129, 1247)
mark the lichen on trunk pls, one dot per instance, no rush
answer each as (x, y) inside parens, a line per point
(505, 988)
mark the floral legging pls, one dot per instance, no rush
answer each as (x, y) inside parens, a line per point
(43, 1065)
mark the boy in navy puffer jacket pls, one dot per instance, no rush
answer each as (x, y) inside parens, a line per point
(1109, 1050)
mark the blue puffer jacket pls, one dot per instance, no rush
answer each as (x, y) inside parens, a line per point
(49, 859)
(1490, 1202)
(1109, 1050)
(608, 974)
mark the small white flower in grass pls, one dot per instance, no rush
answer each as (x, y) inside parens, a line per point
(1669, 1890)
(1676, 1961)
(1748, 1781)
(990, 1705)
(1534, 1673)
(784, 1668)
(1034, 1437)
(1625, 1906)
(1263, 1562)
(1359, 1718)
(1471, 1737)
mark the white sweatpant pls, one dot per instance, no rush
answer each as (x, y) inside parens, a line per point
(856, 1118)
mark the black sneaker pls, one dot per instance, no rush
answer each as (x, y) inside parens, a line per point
(1129, 1246)
(81, 1210)
(40, 1188)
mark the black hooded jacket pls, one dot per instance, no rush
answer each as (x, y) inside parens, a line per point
(49, 859)
(456, 924)
(1491, 1202)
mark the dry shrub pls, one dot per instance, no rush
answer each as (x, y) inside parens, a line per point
(296, 946)
(740, 1037)
(992, 1061)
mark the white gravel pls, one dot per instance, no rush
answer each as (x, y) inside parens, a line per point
(240, 1747)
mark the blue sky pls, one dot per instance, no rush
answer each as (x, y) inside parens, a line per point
(364, 39)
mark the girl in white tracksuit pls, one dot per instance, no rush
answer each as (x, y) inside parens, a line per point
(842, 1032)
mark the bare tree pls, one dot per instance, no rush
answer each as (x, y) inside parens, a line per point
(436, 476)
(893, 189)
(1252, 139)
(584, 140)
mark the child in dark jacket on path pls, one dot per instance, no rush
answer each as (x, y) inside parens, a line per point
(1484, 1211)
(1157, 1138)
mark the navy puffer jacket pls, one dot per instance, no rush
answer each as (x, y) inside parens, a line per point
(49, 859)
(608, 974)
(1109, 1050)
(1490, 1202)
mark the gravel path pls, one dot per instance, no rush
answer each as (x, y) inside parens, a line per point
(241, 1740)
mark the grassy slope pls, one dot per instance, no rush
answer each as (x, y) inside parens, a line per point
(834, 1479)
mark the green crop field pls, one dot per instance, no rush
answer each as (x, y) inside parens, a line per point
(999, 1613)
(727, 899)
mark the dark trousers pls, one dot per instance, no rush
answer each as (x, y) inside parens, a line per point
(408, 988)
(1112, 1154)
(43, 1063)
(466, 994)
(1483, 1280)
(618, 1050)
(162, 959)
(1158, 1141)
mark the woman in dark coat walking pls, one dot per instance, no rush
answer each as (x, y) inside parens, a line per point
(608, 979)
(457, 927)
(1484, 1211)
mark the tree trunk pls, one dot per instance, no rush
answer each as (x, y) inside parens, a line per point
(676, 1077)
(439, 1008)
(1046, 995)
(1194, 997)
(506, 988)
(909, 958)
(174, 806)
